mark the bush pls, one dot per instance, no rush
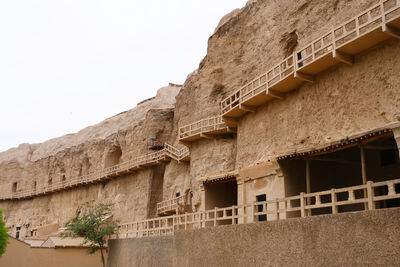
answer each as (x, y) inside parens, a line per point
(3, 234)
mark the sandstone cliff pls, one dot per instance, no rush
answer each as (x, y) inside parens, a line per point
(246, 43)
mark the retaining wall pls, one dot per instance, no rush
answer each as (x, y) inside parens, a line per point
(350, 239)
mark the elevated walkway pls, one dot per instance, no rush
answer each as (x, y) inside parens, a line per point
(171, 206)
(369, 28)
(369, 196)
(206, 128)
(166, 154)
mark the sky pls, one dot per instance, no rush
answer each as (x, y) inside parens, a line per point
(69, 64)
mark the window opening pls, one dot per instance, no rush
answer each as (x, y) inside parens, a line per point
(261, 198)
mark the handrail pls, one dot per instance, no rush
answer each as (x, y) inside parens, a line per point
(168, 151)
(170, 204)
(364, 22)
(276, 209)
(202, 126)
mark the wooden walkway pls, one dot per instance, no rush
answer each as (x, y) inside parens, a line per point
(206, 128)
(166, 154)
(369, 28)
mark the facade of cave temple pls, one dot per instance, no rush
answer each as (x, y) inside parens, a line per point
(294, 112)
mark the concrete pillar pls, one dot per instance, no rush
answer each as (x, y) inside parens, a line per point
(241, 198)
(202, 197)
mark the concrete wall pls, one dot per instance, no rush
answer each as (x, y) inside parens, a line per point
(20, 254)
(366, 238)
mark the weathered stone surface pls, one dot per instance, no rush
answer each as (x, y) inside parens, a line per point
(114, 140)
(246, 43)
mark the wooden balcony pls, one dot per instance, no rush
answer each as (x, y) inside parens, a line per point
(170, 206)
(371, 27)
(206, 128)
(169, 152)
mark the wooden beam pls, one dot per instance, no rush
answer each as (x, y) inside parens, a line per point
(376, 147)
(230, 122)
(203, 135)
(247, 108)
(308, 185)
(185, 143)
(308, 178)
(363, 166)
(275, 94)
(343, 57)
(392, 31)
(304, 77)
(231, 130)
(345, 161)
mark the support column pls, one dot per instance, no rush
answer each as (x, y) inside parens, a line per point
(396, 134)
(363, 166)
(241, 199)
(202, 204)
(202, 197)
(308, 185)
(363, 172)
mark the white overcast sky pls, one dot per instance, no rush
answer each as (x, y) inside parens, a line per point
(68, 64)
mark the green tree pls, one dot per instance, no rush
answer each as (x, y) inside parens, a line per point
(3, 234)
(92, 222)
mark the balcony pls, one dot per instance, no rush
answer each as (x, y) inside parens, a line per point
(369, 28)
(206, 128)
(171, 206)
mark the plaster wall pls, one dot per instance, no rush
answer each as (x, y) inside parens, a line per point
(19, 254)
(370, 238)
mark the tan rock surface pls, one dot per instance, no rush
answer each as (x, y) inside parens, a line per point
(114, 140)
(246, 43)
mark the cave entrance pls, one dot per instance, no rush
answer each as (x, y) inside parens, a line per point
(374, 158)
(113, 157)
(220, 194)
(14, 187)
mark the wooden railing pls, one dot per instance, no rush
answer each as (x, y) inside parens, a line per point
(361, 197)
(375, 17)
(176, 153)
(157, 157)
(170, 205)
(204, 126)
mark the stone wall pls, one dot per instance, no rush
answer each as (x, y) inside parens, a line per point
(368, 238)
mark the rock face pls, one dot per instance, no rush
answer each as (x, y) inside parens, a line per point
(110, 142)
(246, 43)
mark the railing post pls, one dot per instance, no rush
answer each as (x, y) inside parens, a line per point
(302, 205)
(252, 212)
(215, 216)
(185, 221)
(233, 214)
(277, 210)
(370, 193)
(334, 199)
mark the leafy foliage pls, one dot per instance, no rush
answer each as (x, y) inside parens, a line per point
(92, 223)
(3, 235)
